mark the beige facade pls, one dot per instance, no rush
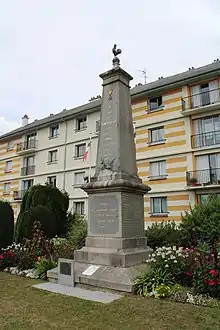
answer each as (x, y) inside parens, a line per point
(177, 123)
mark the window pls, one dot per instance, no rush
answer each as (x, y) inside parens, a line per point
(156, 135)
(207, 132)
(158, 169)
(52, 156)
(97, 126)
(79, 178)
(26, 184)
(54, 131)
(52, 180)
(159, 205)
(81, 123)
(79, 208)
(80, 150)
(7, 188)
(208, 169)
(8, 166)
(205, 94)
(10, 145)
(155, 103)
(204, 197)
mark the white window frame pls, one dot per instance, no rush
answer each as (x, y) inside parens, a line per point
(81, 123)
(160, 168)
(54, 131)
(77, 146)
(76, 182)
(7, 168)
(10, 145)
(52, 178)
(81, 205)
(50, 156)
(7, 188)
(159, 107)
(159, 141)
(162, 210)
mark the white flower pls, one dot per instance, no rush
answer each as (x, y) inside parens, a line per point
(175, 261)
(166, 265)
(163, 255)
(153, 255)
(174, 248)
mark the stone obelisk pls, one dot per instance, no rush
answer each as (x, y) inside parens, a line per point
(116, 243)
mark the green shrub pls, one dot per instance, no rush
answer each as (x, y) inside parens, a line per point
(77, 232)
(166, 233)
(42, 266)
(41, 214)
(202, 223)
(46, 204)
(6, 224)
(62, 249)
(147, 282)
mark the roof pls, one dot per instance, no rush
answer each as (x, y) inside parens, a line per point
(138, 91)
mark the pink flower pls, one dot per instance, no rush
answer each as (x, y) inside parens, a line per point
(213, 273)
(1, 257)
(212, 282)
(188, 274)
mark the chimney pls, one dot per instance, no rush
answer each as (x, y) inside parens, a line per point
(25, 120)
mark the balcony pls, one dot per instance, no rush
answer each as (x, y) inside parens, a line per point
(28, 170)
(26, 147)
(203, 178)
(205, 139)
(204, 101)
(18, 194)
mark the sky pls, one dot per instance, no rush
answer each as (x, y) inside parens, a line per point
(52, 51)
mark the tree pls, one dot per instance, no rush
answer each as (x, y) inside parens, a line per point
(202, 222)
(46, 204)
(6, 224)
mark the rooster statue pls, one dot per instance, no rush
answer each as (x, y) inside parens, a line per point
(116, 51)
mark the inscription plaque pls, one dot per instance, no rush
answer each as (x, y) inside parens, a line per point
(104, 215)
(65, 272)
(65, 268)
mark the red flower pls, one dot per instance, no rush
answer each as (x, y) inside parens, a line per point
(1, 257)
(188, 274)
(10, 253)
(205, 281)
(212, 282)
(218, 283)
(213, 273)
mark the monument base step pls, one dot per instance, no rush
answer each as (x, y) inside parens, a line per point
(112, 257)
(108, 277)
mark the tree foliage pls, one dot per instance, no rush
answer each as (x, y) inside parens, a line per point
(6, 224)
(202, 223)
(46, 204)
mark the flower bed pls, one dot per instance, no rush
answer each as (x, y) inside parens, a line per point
(190, 275)
(33, 258)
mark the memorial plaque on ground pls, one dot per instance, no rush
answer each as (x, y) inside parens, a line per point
(104, 215)
(65, 272)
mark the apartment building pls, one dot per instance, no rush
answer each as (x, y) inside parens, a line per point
(177, 124)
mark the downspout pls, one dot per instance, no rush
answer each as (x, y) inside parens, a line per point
(64, 162)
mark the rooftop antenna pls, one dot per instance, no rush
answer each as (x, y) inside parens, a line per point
(144, 73)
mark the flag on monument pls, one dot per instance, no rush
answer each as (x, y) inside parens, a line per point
(87, 151)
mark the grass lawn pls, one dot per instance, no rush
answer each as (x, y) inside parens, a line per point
(22, 307)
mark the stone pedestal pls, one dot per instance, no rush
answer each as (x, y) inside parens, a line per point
(116, 241)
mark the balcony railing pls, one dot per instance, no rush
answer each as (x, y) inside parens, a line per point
(203, 177)
(28, 170)
(201, 99)
(205, 139)
(27, 145)
(18, 194)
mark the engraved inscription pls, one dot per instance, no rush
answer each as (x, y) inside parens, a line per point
(65, 268)
(104, 217)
